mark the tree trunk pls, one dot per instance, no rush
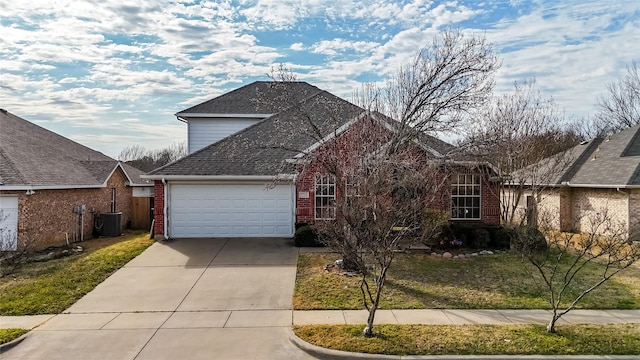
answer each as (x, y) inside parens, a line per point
(551, 327)
(350, 260)
(368, 331)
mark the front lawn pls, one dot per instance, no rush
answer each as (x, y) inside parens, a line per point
(620, 339)
(7, 335)
(50, 287)
(420, 281)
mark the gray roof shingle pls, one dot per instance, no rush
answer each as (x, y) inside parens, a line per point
(612, 161)
(263, 148)
(33, 156)
(260, 97)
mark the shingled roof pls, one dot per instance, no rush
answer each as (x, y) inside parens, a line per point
(260, 97)
(604, 162)
(34, 156)
(302, 115)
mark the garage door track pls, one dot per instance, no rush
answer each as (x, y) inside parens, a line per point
(187, 299)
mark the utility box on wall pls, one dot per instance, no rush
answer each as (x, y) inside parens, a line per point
(111, 224)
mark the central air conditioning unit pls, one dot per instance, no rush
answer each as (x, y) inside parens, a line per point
(111, 224)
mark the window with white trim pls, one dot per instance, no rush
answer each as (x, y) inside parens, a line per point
(113, 200)
(325, 197)
(465, 197)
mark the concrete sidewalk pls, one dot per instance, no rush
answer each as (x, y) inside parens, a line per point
(464, 317)
(250, 318)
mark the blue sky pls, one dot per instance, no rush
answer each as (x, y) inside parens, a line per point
(110, 73)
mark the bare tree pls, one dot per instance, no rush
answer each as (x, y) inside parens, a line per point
(446, 81)
(604, 243)
(147, 160)
(522, 134)
(386, 201)
(620, 108)
(387, 187)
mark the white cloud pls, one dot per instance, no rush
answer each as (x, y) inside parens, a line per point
(84, 61)
(297, 46)
(340, 46)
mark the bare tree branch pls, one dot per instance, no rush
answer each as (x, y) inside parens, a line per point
(620, 108)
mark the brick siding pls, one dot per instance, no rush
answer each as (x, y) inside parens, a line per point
(46, 217)
(158, 208)
(569, 209)
(586, 201)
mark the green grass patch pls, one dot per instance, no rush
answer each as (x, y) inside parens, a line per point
(52, 286)
(420, 281)
(618, 339)
(7, 335)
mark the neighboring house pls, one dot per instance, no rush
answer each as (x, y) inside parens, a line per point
(248, 173)
(600, 175)
(50, 185)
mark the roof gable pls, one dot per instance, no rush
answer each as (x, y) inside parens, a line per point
(613, 161)
(263, 149)
(33, 156)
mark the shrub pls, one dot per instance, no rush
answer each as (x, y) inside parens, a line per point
(529, 240)
(481, 238)
(306, 237)
(471, 235)
(501, 237)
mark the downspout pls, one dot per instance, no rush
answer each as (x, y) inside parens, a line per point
(165, 208)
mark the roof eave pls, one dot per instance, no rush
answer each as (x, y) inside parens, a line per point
(593, 186)
(49, 187)
(184, 116)
(219, 177)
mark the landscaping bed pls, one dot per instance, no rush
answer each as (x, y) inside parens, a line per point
(418, 280)
(619, 339)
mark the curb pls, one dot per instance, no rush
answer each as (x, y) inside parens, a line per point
(323, 353)
(13, 343)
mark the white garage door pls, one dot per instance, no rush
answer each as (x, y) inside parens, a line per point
(207, 210)
(8, 222)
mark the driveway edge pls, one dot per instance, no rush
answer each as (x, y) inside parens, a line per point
(13, 343)
(323, 353)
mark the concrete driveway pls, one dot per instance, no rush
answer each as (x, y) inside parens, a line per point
(183, 299)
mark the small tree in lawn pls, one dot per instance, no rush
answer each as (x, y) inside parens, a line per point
(387, 189)
(385, 184)
(604, 243)
(384, 201)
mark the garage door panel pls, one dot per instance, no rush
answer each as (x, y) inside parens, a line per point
(208, 210)
(8, 223)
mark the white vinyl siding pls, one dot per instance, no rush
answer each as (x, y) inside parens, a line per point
(8, 223)
(203, 132)
(230, 210)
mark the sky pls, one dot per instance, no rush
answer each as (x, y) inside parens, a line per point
(111, 73)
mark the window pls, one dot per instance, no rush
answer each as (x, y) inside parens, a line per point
(325, 197)
(352, 189)
(113, 200)
(465, 196)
